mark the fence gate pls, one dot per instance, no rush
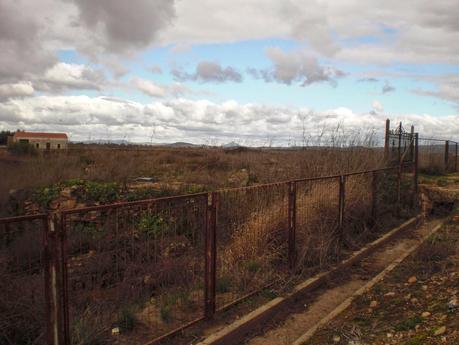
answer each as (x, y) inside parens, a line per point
(399, 144)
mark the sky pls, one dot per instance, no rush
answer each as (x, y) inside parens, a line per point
(257, 72)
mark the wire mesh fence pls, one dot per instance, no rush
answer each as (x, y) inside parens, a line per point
(136, 268)
(136, 271)
(252, 240)
(438, 156)
(317, 213)
(23, 280)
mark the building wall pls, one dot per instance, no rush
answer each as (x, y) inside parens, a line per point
(41, 143)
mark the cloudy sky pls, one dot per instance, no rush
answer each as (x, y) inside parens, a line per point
(213, 71)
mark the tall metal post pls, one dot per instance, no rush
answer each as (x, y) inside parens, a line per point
(455, 162)
(446, 155)
(386, 140)
(342, 183)
(292, 224)
(400, 143)
(412, 144)
(53, 286)
(60, 221)
(210, 255)
(416, 168)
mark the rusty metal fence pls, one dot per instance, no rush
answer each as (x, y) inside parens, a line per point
(137, 272)
(24, 280)
(438, 156)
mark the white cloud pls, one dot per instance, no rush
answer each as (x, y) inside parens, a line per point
(196, 121)
(21, 89)
(377, 106)
(151, 89)
(63, 76)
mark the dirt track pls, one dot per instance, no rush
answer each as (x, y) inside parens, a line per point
(329, 297)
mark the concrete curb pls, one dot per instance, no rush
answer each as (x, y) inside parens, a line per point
(343, 306)
(235, 332)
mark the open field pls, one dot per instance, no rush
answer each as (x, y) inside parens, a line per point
(177, 170)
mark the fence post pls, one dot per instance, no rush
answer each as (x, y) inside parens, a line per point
(342, 183)
(455, 162)
(386, 140)
(400, 143)
(416, 169)
(60, 221)
(374, 197)
(292, 224)
(53, 287)
(211, 255)
(446, 155)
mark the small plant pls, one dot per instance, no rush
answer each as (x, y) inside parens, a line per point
(223, 284)
(102, 192)
(22, 149)
(408, 324)
(45, 195)
(152, 225)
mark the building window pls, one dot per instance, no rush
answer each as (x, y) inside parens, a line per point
(58, 146)
(37, 145)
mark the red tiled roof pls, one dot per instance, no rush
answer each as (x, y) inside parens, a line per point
(40, 135)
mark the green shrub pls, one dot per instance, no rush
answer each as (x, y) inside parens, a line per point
(152, 225)
(101, 192)
(22, 149)
(45, 195)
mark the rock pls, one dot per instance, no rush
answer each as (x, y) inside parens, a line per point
(414, 300)
(66, 192)
(374, 304)
(453, 304)
(390, 294)
(425, 314)
(115, 331)
(440, 331)
(336, 339)
(389, 335)
(424, 287)
(412, 280)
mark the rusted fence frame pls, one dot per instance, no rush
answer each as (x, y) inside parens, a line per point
(209, 230)
(49, 263)
(56, 244)
(446, 155)
(341, 207)
(210, 255)
(292, 224)
(455, 161)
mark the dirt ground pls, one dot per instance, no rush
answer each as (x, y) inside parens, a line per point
(415, 304)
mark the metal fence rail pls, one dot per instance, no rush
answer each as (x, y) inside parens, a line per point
(149, 268)
(438, 156)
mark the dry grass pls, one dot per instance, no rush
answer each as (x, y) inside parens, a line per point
(211, 168)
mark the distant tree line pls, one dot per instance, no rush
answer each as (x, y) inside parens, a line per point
(4, 137)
